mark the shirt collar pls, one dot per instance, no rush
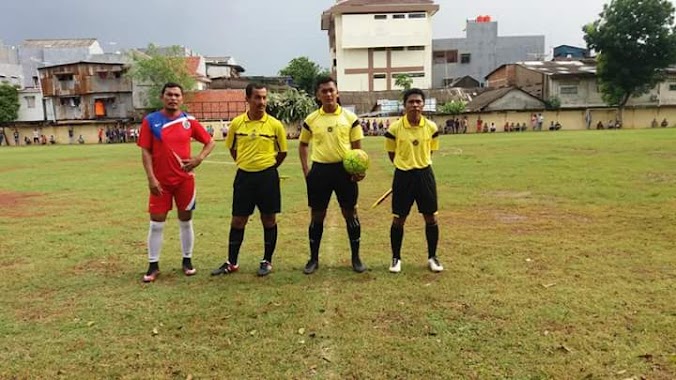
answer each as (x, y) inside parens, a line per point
(338, 110)
(408, 125)
(262, 119)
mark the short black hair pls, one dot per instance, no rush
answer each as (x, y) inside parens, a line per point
(323, 80)
(253, 86)
(413, 91)
(171, 85)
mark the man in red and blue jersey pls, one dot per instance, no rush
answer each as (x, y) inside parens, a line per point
(164, 139)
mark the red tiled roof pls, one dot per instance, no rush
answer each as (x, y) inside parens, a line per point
(216, 104)
(193, 64)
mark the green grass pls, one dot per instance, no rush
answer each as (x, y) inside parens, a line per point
(559, 248)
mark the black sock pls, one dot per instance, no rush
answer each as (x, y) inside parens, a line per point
(153, 267)
(315, 232)
(432, 234)
(270, 241)
(396, 238)
(235, 242)
(354, 233)
(187, 263)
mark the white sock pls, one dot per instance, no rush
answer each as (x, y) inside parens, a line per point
(155, 241)
(187, 237)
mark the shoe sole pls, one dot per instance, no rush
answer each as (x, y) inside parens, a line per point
(148, 279)
(189, 272)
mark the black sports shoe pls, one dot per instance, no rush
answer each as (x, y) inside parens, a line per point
(226, 268)
(188, 269)
(311, 266)
(265, 268)
(357, 265)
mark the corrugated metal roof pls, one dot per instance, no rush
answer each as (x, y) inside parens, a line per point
(59, 43)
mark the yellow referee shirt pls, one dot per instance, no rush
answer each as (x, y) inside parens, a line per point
(412, 144)
(256, 141)
(331, 134)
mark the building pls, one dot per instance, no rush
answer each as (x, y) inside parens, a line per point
(215, 104)
(505, 99)
(91, 89)
(223, 67)
(573, 84)
(480, 52)
(198, 70)
(372, 41)
(49, 52)
(10, 69)
(567, 52)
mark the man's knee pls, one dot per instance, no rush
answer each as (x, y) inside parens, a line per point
(239, 222)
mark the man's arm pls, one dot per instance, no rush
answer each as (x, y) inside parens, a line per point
(193, 162)
(280, 158)
(303, 154)
(153, 183)
(391, 155)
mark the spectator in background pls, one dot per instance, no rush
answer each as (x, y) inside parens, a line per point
(653, 124)
(664, 123)
(492, 127)
(71, 135)
(16, 137)
(599, 125)
(464, 124)
(26, 140)
(541, 121)
(52, 140)
(36, 136)
(80, 140)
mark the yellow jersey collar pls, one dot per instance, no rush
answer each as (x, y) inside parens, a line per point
(263, 119)
(338, 110)
(420, 124)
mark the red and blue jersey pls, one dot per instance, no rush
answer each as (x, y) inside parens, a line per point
(169, 142)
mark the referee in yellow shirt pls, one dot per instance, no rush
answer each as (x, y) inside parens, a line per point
(332, 131)
(409, 143)
(257, 143)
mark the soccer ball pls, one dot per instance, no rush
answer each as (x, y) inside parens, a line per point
(356, 161)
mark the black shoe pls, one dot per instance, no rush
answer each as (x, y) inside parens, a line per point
(226, 268)
(357, 265)
(311, 266)
(265, 268)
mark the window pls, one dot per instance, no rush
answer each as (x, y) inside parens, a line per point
(380, 17)
(64, 77)
(465, 58)
(397, 48)
(672, 86)
(447, 56)
(417, 15)
(36, 82)
(415, 75)
(70, 102)
(379, 49)
(103, 74)
(30, 101)
(568, 90)
(379, 76)
(117, 74)
(416, 48)
(398, 16)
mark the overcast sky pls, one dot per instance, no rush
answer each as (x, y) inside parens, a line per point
(263, 35)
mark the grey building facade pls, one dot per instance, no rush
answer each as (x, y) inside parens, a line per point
(480, 52)
(34, 54)
(10, 70)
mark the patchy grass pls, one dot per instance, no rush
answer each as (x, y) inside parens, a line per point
(558, 248)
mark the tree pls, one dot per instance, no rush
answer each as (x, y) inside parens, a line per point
(635, 41)
(454, 107)
(404, 81)
(155, 68)
(290, 106)
(9, 103)
(304, 73)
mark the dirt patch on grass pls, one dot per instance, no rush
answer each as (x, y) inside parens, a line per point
(106, 266)
(20, 205)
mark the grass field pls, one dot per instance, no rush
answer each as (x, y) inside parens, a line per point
(559, 249)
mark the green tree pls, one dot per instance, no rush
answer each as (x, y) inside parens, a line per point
(304, 73)
(9, 103)
(634, 40)
(290, 106)
(454, 107)
(155, 68)
(404, 81)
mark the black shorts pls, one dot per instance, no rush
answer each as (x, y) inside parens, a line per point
(416, 185)
(324, 179)
(256, 189)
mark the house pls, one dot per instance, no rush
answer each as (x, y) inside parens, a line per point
(567, 52)
(198, 70)
(480, 51)
(90, 89)
(215, 104)
(504, 99)
(10, 69)
(32, 106)
(371, 41)
(34, 53)
(222, 67)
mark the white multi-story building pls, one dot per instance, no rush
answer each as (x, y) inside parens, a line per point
(373, 41)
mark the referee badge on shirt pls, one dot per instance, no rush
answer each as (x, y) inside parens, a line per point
(329, 129)
(186, 124)
(415, 143)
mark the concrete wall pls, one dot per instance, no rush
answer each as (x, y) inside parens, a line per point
(34, 57)
(364, 31)
(31, 105)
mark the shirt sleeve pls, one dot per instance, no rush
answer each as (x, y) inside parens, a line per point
(305, 133)
(356, 133)
(145, 137)
(281, 138)
(199, 133)
(230, 138)
(391, 138)
(434, 144)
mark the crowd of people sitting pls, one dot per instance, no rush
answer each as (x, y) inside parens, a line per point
(117, 134)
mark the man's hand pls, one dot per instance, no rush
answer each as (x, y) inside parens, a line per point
(189, 164)
(154, 186)
(358, 177)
